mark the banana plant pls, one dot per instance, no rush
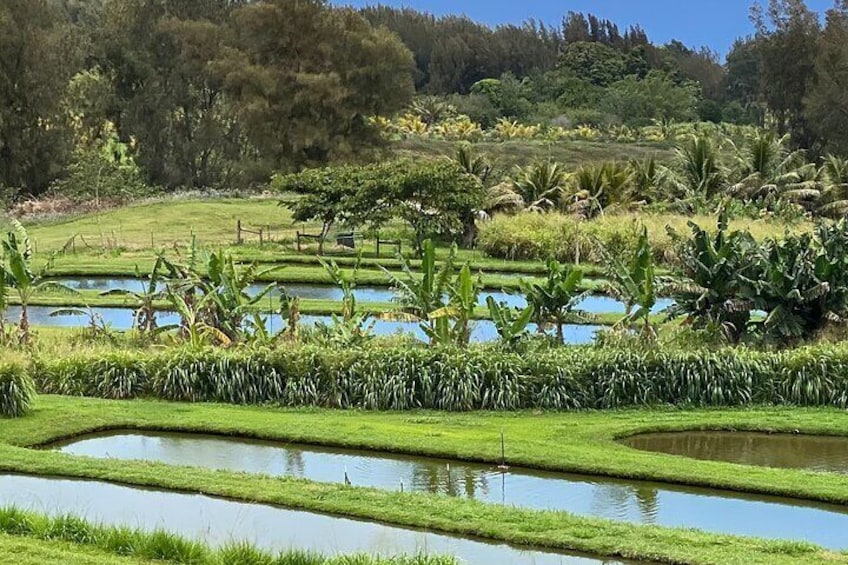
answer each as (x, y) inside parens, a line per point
(556, 299)
(222, 288)
(151, 291)
(193, 329)
(420, 295)
(19, 274)
(635, 284)
(351, 327)
(714, 266)
(510, 323)
(800, 282)
(453, 321)
(232, 304)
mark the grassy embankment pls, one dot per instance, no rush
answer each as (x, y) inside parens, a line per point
(581, 442)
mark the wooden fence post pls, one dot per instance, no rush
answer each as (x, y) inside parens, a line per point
(238, 232)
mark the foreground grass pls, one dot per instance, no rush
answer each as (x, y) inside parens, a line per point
(17, 550)
(29, 538)
(567, 442)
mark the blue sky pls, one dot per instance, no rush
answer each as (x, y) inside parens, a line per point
(715, 23)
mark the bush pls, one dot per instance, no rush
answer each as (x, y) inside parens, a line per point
(477, 378)
(17, 391)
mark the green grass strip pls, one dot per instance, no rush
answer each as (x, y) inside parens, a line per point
(551, 440)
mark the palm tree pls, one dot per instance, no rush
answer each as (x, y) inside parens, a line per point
(823, 190)
(649, 181)
(540, 185)
(480, 168)
(431, 109)
(502, 198)
(596, 186)
(835, 193)
(18, 273)
(473, 164)
(698, 163)
(766, 166)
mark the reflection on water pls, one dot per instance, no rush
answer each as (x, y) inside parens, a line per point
(816, 453)
(217, 522)
(363, 294)
(631, 501)
(123, 318)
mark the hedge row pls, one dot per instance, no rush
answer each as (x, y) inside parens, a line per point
(458, 380)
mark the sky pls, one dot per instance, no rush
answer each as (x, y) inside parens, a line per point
(711, 23)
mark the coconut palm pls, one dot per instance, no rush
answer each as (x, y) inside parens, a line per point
(835, 188)
(540, 185)
(766, 166)
(822, 190)
(698, 166)
(596, 186)
(472, 163)
(649, 181)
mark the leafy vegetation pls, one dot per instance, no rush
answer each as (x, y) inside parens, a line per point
(454, 379)
(555, 299)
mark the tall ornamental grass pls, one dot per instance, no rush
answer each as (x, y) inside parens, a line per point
(17, 390)
(452, 379)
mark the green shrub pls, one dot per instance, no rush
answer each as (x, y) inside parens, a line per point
(17, 390)
(477, 378)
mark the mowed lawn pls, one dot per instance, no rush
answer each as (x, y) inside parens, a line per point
(162, 224)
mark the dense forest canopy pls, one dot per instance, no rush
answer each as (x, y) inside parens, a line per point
(225, 93)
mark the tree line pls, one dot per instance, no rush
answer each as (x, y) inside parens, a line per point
(199, 93)
(225, 93)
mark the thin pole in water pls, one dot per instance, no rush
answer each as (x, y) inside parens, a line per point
(503, 466)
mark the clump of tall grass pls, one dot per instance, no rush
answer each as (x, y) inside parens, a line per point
(17, 390)
(533, 236)
(163, 546)
(463, 379)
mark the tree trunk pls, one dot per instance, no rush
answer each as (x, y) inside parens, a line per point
(469, 230)
(24, 324)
